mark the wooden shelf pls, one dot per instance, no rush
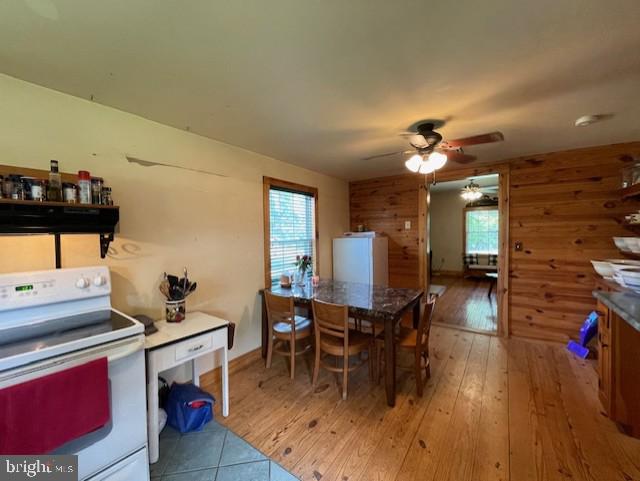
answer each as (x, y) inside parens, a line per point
(33, 217)
(631, 255)
(56, 218)
(631, 191)
(635, 228)
(57, 204)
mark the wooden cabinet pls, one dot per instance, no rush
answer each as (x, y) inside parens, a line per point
(625, 371)
(619, 370)
(604, 357)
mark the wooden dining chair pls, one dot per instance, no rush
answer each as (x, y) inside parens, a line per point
(333, 337)
(416, 340)
(285, 328)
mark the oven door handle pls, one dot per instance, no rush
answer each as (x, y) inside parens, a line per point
(127, 351)
(113, 353)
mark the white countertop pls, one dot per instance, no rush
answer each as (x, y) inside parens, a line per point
(195, 323)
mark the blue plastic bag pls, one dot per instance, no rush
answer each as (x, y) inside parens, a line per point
(189, 408)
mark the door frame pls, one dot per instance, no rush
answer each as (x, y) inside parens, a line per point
(424, 199)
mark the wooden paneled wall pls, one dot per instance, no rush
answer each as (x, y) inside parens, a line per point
(564, 207)
(383, 205)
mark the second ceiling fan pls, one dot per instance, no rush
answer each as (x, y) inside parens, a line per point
(431, 152)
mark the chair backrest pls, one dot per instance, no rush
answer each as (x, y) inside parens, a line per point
(424, 326)
(331, 319)
(279, 309)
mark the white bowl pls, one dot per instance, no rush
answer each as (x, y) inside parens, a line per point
(633, 244)
(621, 244)
(603, 268)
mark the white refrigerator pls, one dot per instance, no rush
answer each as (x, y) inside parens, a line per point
(362, 259)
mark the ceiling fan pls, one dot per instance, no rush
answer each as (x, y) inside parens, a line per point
(431, 152)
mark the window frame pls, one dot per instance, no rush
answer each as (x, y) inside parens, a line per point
(267, 184)
(464, 224)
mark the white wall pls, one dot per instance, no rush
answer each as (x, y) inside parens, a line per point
(446, 220)
(170, 218)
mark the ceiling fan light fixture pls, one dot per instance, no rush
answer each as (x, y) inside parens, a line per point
(471, 192)
(414, 163)
(427, 167)
(437, 159)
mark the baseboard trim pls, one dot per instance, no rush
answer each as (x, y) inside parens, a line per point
(235, 365)
(447, 273)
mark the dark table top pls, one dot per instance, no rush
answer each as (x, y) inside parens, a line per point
(364, 300)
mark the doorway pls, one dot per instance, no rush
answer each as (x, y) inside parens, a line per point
(465, 239)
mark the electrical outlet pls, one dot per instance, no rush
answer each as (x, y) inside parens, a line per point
(407, 225)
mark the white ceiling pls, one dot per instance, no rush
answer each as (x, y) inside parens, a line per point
(483, 181)
(323, 84)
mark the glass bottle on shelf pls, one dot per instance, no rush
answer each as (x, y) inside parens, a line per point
(54, 190)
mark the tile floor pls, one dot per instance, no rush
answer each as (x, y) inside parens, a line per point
(214, 454)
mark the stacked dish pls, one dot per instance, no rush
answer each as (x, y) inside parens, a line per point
(616, 269)
(629, 278)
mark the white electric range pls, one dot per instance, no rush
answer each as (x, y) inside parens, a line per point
(57, 319)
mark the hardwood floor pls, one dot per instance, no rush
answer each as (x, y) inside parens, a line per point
(494, 409)
(466, 304)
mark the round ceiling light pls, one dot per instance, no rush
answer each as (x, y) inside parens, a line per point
(589, 119)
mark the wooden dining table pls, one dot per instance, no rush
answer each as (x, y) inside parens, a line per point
(382, 305)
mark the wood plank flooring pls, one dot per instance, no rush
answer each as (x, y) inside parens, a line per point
(494, 409)
(466, 304)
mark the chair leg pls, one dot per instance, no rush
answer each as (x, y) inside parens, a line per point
(371, 360)
(269, 350)
(316, 367)
(379, 363)
(427, 365)
(345, 376)
(292, 351)
(418, 372)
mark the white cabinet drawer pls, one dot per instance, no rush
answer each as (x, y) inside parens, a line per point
(194, 347)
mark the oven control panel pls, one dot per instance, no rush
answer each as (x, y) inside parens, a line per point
(27, 289)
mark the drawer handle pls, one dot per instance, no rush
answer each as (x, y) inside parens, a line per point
(196, 348)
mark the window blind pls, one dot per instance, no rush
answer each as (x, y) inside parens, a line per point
(482, 228)
(292, 229)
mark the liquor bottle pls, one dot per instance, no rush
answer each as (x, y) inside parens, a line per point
(54, 191)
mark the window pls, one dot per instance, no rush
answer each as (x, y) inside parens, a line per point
(290, 227)
(481, 231)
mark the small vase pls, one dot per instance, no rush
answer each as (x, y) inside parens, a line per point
(300, 277)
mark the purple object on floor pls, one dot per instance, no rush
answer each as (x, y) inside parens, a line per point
(578, 350)
(587, 332)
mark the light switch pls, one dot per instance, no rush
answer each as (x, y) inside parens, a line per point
(407, 225)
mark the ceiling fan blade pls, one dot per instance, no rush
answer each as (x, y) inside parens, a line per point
(459, 157)
(388, 154)
(476, 139)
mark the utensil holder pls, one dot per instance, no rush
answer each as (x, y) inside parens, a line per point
(175, 311)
